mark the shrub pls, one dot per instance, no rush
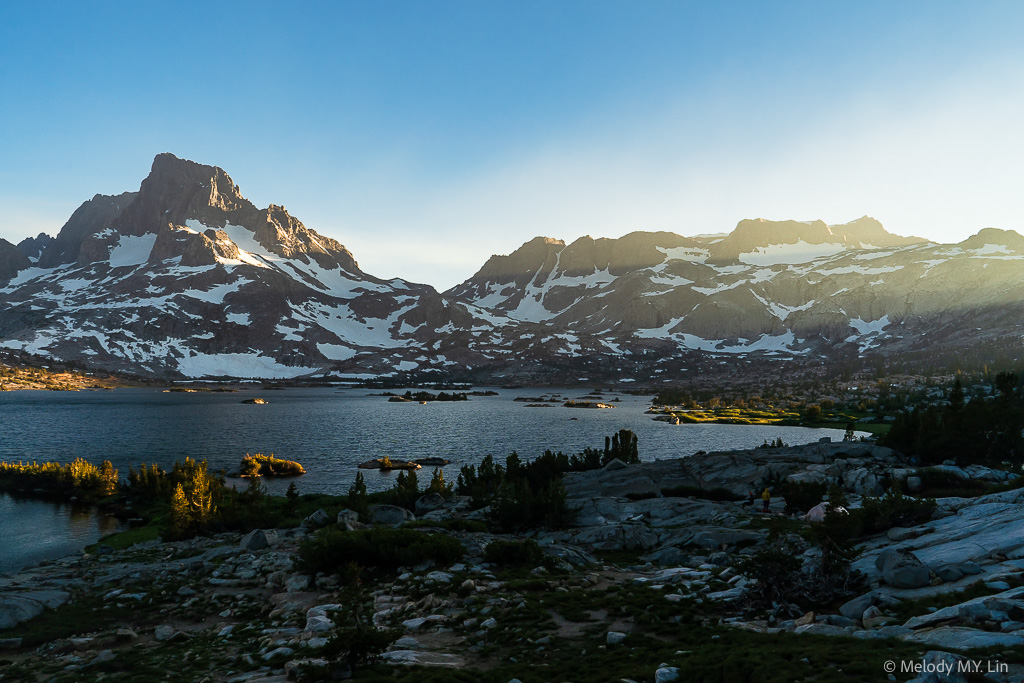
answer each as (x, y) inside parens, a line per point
(514, 553)
(78, 478)
(331, 550)
(801, 496)
(268, 466)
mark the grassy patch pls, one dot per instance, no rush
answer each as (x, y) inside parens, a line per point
(126, 539)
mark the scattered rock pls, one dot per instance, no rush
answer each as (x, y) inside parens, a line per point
(666, 674)
(258, 539)
(416, 657)
(614, 637)
(389, 514)
(316, 520)
(902, 569)
(429, 502)
(163, 632)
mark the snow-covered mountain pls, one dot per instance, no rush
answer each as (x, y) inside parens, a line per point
(781, 288)
(187, 278)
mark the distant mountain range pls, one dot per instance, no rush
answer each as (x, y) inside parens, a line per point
(187, 278)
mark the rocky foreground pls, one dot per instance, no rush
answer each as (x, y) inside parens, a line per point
(646, 579)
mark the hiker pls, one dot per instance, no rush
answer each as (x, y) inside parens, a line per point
(766, 496)
(750, 498)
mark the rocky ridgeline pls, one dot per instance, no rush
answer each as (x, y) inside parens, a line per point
(259, 619)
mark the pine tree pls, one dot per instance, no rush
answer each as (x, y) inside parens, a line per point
(357, 498)
(181, 513)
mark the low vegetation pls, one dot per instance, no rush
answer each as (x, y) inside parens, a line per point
(982, 430)
(78, 479)
(384, 550)
(260, 465)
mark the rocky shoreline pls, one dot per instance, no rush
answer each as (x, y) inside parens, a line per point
(234, 608)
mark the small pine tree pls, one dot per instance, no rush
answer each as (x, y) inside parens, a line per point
(357, 497)
(438, 485)
(291, 499)
(108, 479)
(181, 514)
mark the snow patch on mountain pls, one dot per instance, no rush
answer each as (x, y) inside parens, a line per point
(691, 254)
(801, 252)
(245, 365)
(336, 351)
(132, 250)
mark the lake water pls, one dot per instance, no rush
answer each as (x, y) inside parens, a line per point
(330, 431)
(34, 530)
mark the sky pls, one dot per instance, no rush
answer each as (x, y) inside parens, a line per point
(428, 135)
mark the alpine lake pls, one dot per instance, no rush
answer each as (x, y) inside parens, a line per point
(328, 430)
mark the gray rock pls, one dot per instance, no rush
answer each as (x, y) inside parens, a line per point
(614, 637)
(666, 674)
(902, 569)
(22, 606)
(822, 630)
(103, 656)
(420, 658)
(854, 609)
(963, 638)
(293, 668)
(318, 624)
(297, 583)
(429, 502)
(348, 519)
(280, 651)
(838, 620)
(949, 573)
(258, 539)
(317, 520)
(163, 632)
(914, 484)
(389, 514)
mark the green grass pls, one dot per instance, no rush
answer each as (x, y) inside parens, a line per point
(126, 539)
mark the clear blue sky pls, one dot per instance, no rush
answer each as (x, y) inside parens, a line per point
(428, 135)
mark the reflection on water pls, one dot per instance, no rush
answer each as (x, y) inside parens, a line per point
(34, 530)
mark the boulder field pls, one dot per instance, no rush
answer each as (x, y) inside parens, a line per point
(239, 600)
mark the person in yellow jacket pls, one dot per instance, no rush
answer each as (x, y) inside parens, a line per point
(766, 497)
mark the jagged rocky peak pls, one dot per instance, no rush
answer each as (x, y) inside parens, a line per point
(12, 260)
(92, 217)
(192, 212)
(33, 247)
(519, 267)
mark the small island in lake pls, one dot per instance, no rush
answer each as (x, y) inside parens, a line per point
(586, 404)
(387, 463)
(425, 396)
(260, 465)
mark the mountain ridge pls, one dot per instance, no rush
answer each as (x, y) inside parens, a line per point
(187, 278)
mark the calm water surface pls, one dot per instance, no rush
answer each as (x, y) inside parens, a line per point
(330, 431)
(33, 530)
